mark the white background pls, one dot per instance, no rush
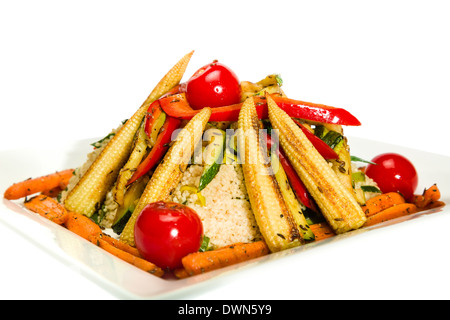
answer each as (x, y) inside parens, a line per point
(72, 70)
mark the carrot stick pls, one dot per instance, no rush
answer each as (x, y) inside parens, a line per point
(120, 245)
(48, 208)
(428, 196)
(200, 262)
(434, 204)
(40, 184)
(132, 259)
(419, 201)
(390, 213)
(82, 225)
(322, 231)
(52, 192)
(180, 273)
(382, 202)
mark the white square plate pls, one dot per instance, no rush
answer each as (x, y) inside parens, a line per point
(400, 260)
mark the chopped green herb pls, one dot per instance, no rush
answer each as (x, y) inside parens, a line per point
(96, 217)
(205, 245)
(279, 80)
(98, 144)
(357, 159)
(59, 197)
(370, 189)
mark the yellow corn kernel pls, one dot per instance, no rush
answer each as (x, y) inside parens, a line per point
(194, 190)
(201, 199)
(190, 189)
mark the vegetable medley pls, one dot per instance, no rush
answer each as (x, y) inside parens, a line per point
(302, 185)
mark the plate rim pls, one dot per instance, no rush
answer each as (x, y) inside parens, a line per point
(182, 287)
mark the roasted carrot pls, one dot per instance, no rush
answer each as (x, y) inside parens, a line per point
(52, 192)
(419, 200)
(126, 256)
(434, 204)
(200, 262)
(322, 231)
(120, 245)
(382, 202)
(180, 273)
(48, 208)
(390, 213)
(428, 196)
(36, 185)
(82, 225)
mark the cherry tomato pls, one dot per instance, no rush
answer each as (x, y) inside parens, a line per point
(165, 232)
(214, 85)
(394, 173)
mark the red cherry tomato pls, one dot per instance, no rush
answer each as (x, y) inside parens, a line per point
(394, 173)
(214, 85)
(165, 232)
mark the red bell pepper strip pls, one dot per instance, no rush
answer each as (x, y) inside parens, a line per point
(158, 150)
(177, 89)
(316, 112)
(231, 112)
(296, 183)
(322, 147)
(177, 106)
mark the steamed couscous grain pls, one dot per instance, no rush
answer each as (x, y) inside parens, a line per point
(226, 214)
(109, 210)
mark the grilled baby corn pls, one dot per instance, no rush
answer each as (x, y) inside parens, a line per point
(170, 171)
(275, 221)
(87, 196)
(336, 202)
(137, 153)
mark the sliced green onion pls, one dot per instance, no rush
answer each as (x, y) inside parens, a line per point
(357, 159)
(205, 244)
(370, 189)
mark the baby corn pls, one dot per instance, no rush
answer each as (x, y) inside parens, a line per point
(275, 221)
(168, 174)
(87, 196)
(337, 204)
(138, 151)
